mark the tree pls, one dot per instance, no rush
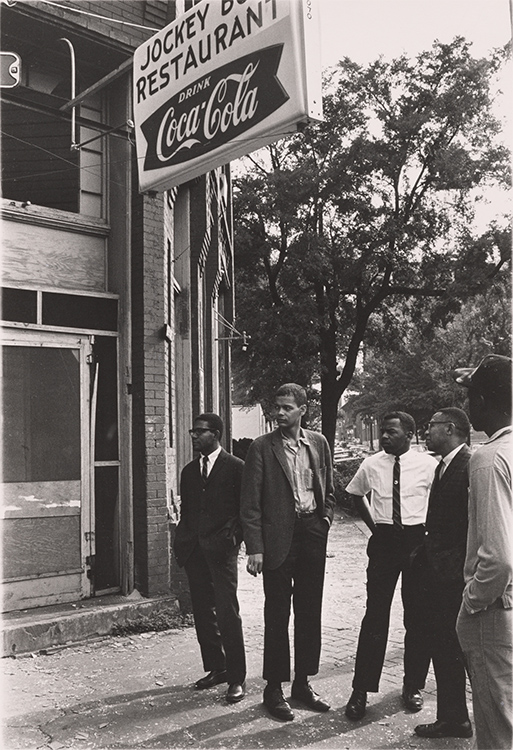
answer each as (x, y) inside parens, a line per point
(415, 376)
(362, 213)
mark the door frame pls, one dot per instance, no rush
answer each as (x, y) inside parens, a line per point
(83, 343)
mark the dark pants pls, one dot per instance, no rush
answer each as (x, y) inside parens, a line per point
(299, 578)
(389, 556)
(213, 587)
(440, 602)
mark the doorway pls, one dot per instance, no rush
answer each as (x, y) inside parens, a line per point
(47, 515)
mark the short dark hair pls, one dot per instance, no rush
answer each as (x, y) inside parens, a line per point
(458, 417)
(214, 421)
(297, 392)
(406, 420)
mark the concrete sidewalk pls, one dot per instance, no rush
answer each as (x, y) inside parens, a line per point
(136, 691)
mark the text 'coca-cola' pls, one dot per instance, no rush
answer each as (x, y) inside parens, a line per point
(215, 109)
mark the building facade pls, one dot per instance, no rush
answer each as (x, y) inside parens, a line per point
(114, 312)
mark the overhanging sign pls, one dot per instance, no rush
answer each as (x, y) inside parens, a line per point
(10, 70)
(226, 78)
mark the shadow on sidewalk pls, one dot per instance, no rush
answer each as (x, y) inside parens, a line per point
(179, 717)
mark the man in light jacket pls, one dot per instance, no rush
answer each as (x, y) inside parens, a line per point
(484, 621)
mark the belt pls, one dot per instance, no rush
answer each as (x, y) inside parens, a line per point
(393, 528)
(305, 513)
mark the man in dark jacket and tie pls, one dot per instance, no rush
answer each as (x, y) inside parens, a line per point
(439, 565)
(286, 510)
(207, 543)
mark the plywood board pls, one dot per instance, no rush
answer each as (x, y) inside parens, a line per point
(39, 546)
(54, 257)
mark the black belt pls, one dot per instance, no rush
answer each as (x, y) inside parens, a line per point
(393, 528)
(305, 513)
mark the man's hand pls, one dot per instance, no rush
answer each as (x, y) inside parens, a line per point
(255, 564)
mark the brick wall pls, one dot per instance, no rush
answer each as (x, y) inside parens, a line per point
(150, 386)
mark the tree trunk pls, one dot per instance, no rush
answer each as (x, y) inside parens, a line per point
(329, 386)
(329, 409)
(333, 383)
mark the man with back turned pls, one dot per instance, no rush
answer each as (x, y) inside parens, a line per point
(484, 621)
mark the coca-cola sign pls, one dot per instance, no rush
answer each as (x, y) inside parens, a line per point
(218, 107)
(225, 78)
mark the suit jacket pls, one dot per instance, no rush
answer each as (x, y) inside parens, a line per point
(209, 514)
(267, 499)
(447, 520)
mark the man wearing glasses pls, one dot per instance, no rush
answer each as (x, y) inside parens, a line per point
(438, 563)
(207, 543)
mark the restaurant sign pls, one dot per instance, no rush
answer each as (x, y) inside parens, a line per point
(226, 78)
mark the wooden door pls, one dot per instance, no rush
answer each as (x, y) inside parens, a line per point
(46, 488)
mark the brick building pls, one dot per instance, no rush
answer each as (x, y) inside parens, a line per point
(114, 311)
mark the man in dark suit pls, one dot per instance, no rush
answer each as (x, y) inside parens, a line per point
(207, 543)
(439, 564)
(286, 511)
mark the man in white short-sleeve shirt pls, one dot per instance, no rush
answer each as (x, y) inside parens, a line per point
(397, 480)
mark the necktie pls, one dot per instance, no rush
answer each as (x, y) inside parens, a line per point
(438, 472)
(396, 495)
(204, 473)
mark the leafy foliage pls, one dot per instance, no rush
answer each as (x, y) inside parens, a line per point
(416, 375)
(343, 230)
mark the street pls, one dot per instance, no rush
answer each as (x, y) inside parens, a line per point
(136, 691)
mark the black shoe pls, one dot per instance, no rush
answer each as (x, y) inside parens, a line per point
(445, 729)
(216, 677)
(236, 692)
(275, 702)
(304, 693)
(355, 708)
(412, 699)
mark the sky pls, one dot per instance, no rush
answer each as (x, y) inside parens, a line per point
(364, 29)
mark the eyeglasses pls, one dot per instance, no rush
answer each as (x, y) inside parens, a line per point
(430, 424)
(199, 431)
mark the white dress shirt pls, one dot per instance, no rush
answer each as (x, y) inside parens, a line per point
(212, 458)
(375, 476)
(446, 460)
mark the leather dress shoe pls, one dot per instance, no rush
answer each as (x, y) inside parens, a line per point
(355, 708)
(216, 677)
(445, 729)
(236, 692)
(412, 699)
(304, 693)
(275, 702)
